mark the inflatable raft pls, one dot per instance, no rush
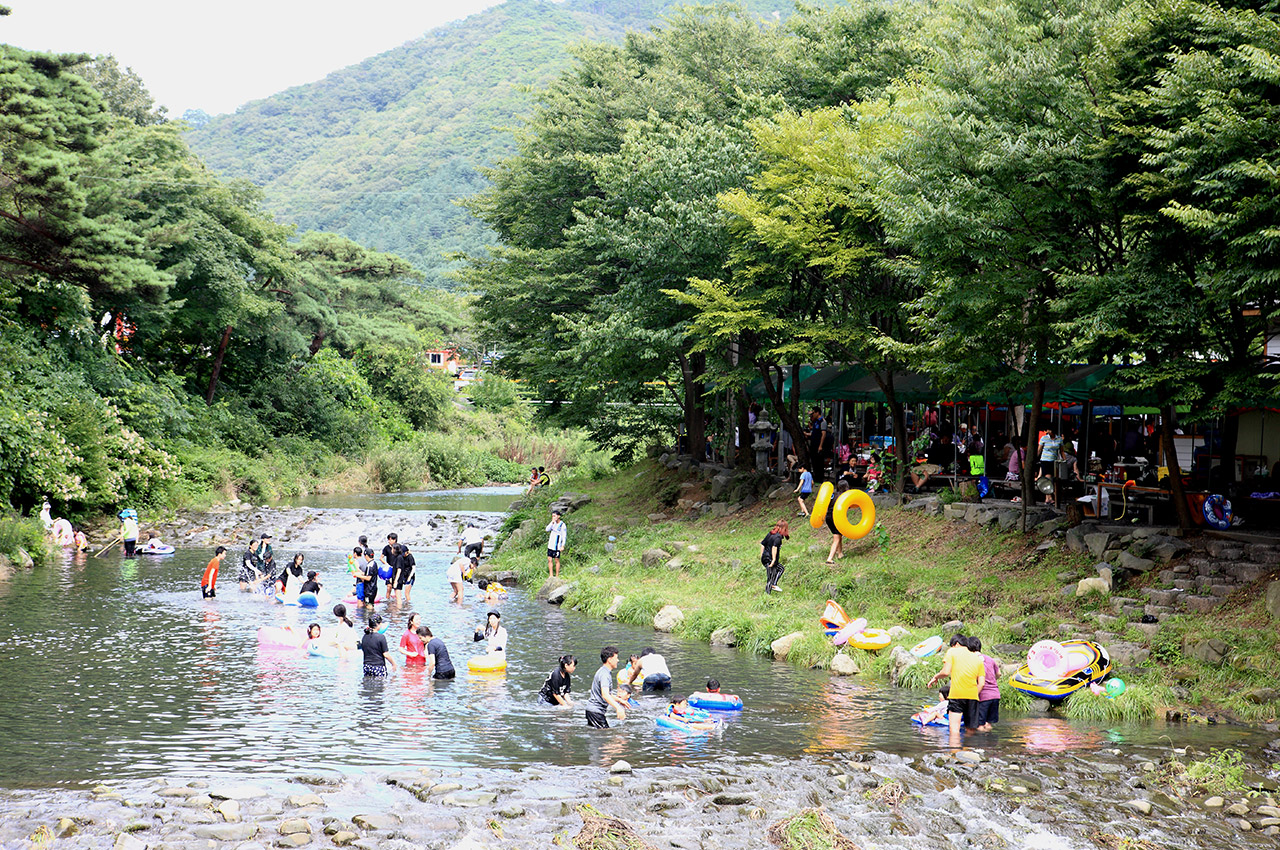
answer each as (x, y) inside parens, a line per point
(833, 618)
(870, 639)
(927, 647)
(716, 702)
(695, 723)
(163, 549)
(281, 637)
(494, 662)
(1055, 670)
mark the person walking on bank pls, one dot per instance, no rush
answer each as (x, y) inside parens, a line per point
(558, 537)
(209, 581)
(770, 554)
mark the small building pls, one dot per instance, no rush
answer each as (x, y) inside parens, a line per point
(444, 359)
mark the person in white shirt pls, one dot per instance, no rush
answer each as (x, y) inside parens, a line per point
(558, 536)
(493, 633)
(454, 574)
(472, 542)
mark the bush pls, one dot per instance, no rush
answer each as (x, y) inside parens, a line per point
(420, 394)
(495, 393)
(27, 534)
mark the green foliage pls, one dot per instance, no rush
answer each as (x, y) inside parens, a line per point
(403, 379)
(1220, 773)
(495, 393)
(26, 534)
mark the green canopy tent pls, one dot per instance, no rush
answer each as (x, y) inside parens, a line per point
(756, 389)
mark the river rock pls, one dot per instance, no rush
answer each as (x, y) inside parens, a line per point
(295, 825)
(620, 766)
(1092, 585)
(1140, 806)
(843, 665)
(1214, 802)
(1258, 696)
(1273, 598)
(1211, 651)
(1238, 809)
(65, 828)
(125, 841)
(237, 792)
(896, 632)
(226, 831)
(342, 838)
(969, 757)
(725, 636)
(899, 660)
(230, 811)
(668, 619)
(299, 801)
(470, 799)
(557, 595)
(612, 612)
(376, 822)
(24, 559)
(782, 645)
(653, 557)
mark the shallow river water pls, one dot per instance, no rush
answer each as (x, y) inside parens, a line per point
(117, 668)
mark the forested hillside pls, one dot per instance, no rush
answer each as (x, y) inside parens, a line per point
(379, 152)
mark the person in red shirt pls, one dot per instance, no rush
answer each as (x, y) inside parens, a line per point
(210, 578)
(413, 647)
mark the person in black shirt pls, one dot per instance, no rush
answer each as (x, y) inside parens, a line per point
(310, 585)
(438, 662)
(405, 576)
(377, 655)
(555, 690)
(293, 571)
(770, 554)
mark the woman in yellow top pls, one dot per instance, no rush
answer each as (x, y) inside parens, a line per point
(968, 674)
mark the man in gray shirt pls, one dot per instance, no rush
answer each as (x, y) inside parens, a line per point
(602, 691)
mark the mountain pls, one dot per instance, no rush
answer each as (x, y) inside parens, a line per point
(378, 152)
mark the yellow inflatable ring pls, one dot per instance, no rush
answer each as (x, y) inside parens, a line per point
(491, 663)
(818, 515)
(849, 499)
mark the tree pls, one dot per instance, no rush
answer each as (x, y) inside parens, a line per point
(994, 190)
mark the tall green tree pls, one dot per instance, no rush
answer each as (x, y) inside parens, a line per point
(994, 190)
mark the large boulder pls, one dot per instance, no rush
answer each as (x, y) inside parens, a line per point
(1129, 561)
(1075, 537)
(612, 613)
(1098, 543)
(899, 660)
(1273, 599)
(654, 557)
(24, 558)
(557, 595)
(1212, 651)
(782, 645)
(1092, 585)
(720, 485)
(726, 636)
(843, 665)
(668, 619)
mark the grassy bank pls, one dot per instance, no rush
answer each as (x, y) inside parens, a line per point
(919, 574)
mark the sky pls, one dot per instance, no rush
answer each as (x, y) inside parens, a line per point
(216, 56)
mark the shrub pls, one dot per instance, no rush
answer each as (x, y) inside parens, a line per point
(496, 393)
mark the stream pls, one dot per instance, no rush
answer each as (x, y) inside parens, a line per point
(118, 671)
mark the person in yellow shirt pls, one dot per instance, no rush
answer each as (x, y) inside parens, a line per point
(968, 674)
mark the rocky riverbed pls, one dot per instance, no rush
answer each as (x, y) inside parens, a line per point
(1112, 798)
(234, 524)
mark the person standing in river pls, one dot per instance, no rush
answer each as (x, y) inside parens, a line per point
(209, 581)
(408, 572)
(602, 691)
(771, 553)
(967, 672)
(377, 655)
(555, 690)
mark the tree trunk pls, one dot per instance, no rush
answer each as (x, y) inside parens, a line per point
(899, 440)
(217, 365)
(745, 459)
(1176, 490)
(1032, 448)
(1230, 440)
(695, 410)
(790, 418)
